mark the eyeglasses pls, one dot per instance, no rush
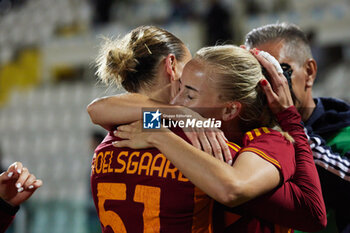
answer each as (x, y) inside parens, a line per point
(287, 72)
(287, 69)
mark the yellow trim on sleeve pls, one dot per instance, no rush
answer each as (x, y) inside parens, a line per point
(233, 146)
(266, 130)
(250, 136)
(257, 132)
(262, 154)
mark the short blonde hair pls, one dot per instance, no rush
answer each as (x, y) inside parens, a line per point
(236, 73)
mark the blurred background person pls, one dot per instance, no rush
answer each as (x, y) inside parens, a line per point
(102, 11)
(218, 24)
(180, 10)
(46, 81)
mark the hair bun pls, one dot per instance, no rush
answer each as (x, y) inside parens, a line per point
(115, 62)
(133, 61)
(120, 62)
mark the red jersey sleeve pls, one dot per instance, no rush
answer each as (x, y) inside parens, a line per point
(270, 145)
(298, 203)
(306, 183)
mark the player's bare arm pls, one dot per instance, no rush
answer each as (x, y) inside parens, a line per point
(126, 108)
(230, 186)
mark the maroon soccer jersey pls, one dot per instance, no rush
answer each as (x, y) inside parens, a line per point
(138, 191)
(274, 148)
(297, 202)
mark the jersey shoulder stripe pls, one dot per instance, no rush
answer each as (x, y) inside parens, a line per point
(234, 146)
(257, 132)
(262, 154)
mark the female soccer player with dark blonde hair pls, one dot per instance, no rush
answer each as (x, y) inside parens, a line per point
(140, 190)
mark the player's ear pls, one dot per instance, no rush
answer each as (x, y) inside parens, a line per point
(231, 110)
(170, 66)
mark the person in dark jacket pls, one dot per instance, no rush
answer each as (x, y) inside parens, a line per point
(327, 120)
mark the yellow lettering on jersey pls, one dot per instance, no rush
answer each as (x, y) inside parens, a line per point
(99, 158)
(159, 168)
(150, 198)
(167, 170)
(93, 164)
(110, 161)
(110, 191)
(182, 178)
(133, 164)
(105, 163)
(122, 162)
(147, 165)
(143, 165)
